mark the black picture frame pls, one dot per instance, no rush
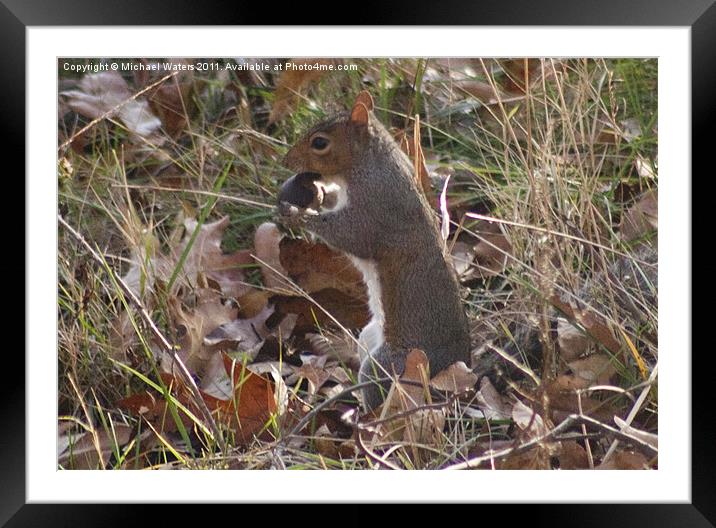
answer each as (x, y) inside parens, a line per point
(699, 15)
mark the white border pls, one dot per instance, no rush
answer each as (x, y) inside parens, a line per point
(670, 483)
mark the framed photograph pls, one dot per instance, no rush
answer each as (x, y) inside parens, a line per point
(360, 251)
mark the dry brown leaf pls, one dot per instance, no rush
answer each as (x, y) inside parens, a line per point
(316, 267)
(103, 92)
(494, 406)
(421, 426)
(535, 458)
(325, 443)
(245, 412)
(625, 460)
(564, 400)
(251, 407)
(318, 370)
(480, 90)
(533, 426)
(405, 396)
(122, 336)
(417, 368)
(463, 254)
(488, 257)
(491, 252)
(641, 218)
(573, 456)
(153, 406)
(84, 451)
(205, 258)
(596, 369)
(171, 100)
(216, 381)
(252, 303)
(313, 370)
(247, 334)
(457, 378)
(572, 341)
(328, 445)
(592, 324)
(517, 70)
(293, 81)
(351, 313)
(528, 420)
(192, 327)
(268, 255)
(341, 347)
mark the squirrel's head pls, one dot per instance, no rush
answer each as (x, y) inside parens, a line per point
(353, 186)
(323, 160)
(328, 148)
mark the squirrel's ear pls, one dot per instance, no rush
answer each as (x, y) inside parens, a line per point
(365, 98)
(359, 114)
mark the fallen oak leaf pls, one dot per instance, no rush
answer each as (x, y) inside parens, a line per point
(457, 378)
(171, 101)
(533, 426)
(267, 249)
(313, 370)
(463, 255)
(349, 312)
(625, 460)
(528, 420)
(295, 78)
(594, 369)
(107, 94)
(86, 450)
(315, 266)
(252, 303)
(248, 334)
(341, 347)
(317, 372)
(641, 218)
(207, 256)
(193, 326)
(153, 406)
(564, 400)
(488, 257)
(573, 456)
(492, 251)
(572, 341)
(252, 405)
(591, 323)
(204, 258)
(493, 405)
(246, 412)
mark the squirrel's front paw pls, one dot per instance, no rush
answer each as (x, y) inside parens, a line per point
(292, 216)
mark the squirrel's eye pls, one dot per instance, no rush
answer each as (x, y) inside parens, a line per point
(320, 143)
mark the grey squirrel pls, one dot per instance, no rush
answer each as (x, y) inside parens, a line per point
(355, 190)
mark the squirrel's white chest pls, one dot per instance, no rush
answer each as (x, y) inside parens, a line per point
(371, 337)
